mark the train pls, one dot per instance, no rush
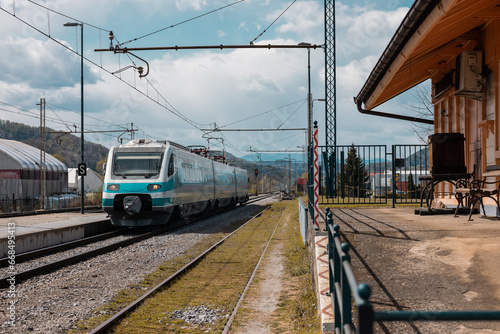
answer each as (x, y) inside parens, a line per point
(147, 181)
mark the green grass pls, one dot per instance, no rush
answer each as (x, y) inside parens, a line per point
(218, 281)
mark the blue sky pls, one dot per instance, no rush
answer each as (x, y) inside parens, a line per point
(232, 88)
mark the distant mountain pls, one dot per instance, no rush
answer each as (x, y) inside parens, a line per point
(273, 157)
(66, 148)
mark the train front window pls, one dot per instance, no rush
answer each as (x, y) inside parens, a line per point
(137, 165)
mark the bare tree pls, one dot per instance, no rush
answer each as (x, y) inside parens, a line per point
(423, 107)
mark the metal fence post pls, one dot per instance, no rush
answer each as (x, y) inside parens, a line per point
(365, 310)
(336, 277)
(346, 290)
(393, 177)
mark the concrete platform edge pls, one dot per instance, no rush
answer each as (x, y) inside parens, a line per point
(55, 236)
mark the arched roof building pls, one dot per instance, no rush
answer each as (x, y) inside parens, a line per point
(20, 171)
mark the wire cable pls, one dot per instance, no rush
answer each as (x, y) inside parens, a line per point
(262, 33)
(185, 21)
(263, 113)
(167, 104)
(66, 16)
(291, 115)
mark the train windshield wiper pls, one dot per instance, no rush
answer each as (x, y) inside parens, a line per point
(153, 171)
(117, 169)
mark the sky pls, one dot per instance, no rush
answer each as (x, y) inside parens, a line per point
(189, 90)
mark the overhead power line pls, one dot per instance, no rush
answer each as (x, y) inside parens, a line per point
(262, 33)
(182, 22)
(254, 130)
(166, 105)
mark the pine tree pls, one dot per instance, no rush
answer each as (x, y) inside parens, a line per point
(355, 175)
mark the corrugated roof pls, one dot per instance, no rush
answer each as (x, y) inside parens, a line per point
(29, 156)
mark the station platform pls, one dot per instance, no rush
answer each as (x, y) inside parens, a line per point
(49, 229)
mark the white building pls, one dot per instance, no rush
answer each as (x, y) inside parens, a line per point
(92, 181)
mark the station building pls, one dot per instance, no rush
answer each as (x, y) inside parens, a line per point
(20, 172)
(456, 45)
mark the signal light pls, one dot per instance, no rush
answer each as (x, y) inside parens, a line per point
(256, 172)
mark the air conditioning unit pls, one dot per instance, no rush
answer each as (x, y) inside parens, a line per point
(469, 77)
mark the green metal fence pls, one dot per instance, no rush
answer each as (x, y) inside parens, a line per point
(351, 300)
(370, 174)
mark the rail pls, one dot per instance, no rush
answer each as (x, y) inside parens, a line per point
(352, 300)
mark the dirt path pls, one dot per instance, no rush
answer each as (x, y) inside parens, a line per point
(263, 296)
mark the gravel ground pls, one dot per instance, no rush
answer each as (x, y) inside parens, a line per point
(417, 262)
(53, 303)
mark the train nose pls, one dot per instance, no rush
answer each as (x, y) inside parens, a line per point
(132, 204)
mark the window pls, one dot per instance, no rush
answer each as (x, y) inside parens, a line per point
(137, 164)
(171, 166)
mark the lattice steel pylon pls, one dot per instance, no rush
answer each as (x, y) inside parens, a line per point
(330, 97)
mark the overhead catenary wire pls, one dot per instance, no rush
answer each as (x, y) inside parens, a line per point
(260, 114)
(165, 106)
(263, 32)
(182, 22)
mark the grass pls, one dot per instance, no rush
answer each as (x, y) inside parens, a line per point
(217, 282)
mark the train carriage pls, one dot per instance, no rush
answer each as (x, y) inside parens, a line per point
(147, 181)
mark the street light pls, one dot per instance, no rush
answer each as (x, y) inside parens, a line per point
(309, 96)
(82, 164)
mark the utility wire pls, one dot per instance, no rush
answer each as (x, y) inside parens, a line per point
(86, 115)
(262, 33)
(291, 115)
(173, 111)
(66, 16)
(185, 21)
(263, 113)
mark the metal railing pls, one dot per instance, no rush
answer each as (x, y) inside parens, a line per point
(303, 220)
(370, 174)
(344, 289)
(20, 206)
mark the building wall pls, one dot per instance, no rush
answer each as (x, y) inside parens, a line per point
(477, 119)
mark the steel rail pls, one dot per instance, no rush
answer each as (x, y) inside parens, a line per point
(102, 328)
(50, 267)
(250, 280)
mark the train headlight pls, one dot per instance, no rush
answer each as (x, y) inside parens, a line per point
(113, 187)
(152, 187)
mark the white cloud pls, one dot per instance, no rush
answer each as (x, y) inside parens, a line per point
(183, 5)
(205, 86)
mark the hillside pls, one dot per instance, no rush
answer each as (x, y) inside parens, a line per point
(66, 148)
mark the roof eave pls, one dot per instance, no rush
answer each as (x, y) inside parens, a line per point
(417, 14)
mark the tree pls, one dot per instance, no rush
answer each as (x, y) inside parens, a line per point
(355, 176)
(423, 107)
(60, 158)
(100, 164)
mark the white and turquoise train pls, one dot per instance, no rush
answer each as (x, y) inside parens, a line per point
(147, 181)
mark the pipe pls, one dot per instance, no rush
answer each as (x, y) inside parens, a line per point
(384, 114)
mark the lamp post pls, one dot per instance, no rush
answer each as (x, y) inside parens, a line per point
(309, 96)
(82, 164)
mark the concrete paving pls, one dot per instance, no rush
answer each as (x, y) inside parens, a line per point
(418, 262)
(44, 230)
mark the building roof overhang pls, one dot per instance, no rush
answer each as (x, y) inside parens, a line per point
(430, 36)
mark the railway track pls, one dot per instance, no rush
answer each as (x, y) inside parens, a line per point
(184, 271)
(52, 266)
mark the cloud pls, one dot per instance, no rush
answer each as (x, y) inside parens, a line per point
(206, 87)
(183, 5)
